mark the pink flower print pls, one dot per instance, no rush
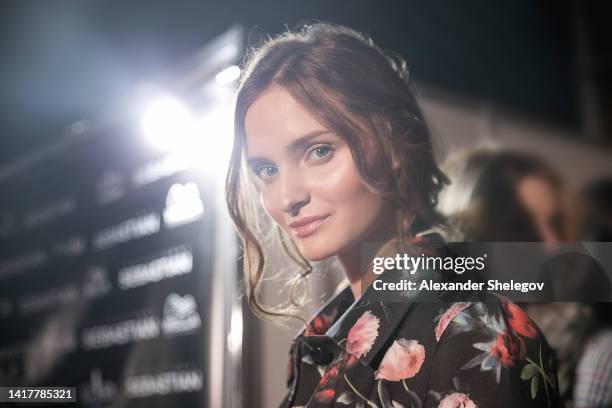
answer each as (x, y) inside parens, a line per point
(362, 335)
(449, 316)
(457, 400)
(402, 360)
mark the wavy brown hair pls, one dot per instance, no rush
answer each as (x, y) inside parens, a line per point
(363, 95)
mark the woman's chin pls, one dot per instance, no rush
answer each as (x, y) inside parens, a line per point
(316, 254)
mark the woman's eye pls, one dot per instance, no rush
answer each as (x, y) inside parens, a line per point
(320, 152)
(265, 172)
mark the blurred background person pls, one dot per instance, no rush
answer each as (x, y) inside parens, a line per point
(593, 373)
(593, 376)
(499, 195)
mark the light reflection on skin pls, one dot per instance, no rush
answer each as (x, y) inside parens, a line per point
(306, 170)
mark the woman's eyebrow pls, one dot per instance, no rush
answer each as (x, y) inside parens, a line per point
(300, 143)
(297, 145)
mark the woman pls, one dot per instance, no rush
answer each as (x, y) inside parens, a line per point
(329, 136)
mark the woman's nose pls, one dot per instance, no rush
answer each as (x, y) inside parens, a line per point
(293, 194)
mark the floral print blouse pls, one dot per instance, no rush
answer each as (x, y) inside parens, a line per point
(483, 352)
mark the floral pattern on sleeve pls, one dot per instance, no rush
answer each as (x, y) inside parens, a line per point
(464, 355)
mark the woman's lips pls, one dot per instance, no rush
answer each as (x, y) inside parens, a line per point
(303, 229)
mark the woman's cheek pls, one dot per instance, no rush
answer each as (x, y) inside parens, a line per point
(343, 185)
(336, 177)
(267, 200)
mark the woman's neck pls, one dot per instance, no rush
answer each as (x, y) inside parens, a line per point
(357, 260)
(358, 268)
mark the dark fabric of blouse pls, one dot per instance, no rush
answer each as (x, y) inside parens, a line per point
(373, 352)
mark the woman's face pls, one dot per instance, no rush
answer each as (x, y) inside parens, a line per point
(308, 181)
(540, 199)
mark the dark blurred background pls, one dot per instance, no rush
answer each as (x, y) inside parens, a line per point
(67, 60)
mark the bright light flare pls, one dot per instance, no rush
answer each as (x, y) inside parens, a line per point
(212, 147)
(201, 141)
(167, 123)
(228, 75)
(234, 337)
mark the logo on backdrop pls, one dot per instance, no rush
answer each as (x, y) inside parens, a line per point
(180, 314)
(23, 262)
(168, 382)
(176, 262)
(55, 339)
(70, 247)
(110, 188)
(179, 317)
(49, 212)
(128, 230)
(183, 205)
(98, 390)
(157, 169)
(96, 282)
(123, 332)
(50, 299)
